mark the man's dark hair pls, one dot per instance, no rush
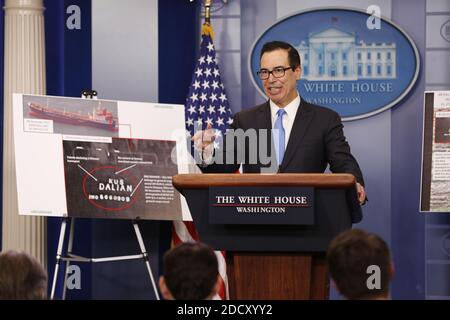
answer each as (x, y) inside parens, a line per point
(348, 257)
(21, 277)
(190, 271)
(294, 57)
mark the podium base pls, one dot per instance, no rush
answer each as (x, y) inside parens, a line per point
(277, 276)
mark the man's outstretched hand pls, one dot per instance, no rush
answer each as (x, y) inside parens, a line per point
(204, 138)
(361, 193)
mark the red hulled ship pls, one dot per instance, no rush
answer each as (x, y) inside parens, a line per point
(100, 118)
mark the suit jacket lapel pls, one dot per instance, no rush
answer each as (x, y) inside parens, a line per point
(264, 117)
(264, 121)
(299, 129)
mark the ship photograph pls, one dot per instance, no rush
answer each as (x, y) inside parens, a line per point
(74, 116)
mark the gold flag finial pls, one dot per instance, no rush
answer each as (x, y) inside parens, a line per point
(208, 11)
(206, 28)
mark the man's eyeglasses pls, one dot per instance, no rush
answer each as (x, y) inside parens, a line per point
(277, 72)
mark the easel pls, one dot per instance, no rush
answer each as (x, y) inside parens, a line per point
(72, 257)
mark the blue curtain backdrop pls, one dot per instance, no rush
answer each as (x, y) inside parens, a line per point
(68, 68)
(178, 44)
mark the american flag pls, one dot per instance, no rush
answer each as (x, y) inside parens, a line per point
(206, 104)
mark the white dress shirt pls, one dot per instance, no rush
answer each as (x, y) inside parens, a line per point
(289, 117)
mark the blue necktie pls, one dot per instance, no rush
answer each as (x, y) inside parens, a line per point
(279, 136)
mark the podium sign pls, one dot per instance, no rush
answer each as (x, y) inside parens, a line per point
(259, 205)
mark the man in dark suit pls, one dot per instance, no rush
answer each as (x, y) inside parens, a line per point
(305, 138)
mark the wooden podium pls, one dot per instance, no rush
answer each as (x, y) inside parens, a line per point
(274, 261)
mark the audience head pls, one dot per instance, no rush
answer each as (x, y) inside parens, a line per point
(21, 277)
(190, 272)
(360, 265)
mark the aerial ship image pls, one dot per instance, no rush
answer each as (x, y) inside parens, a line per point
(100, 118)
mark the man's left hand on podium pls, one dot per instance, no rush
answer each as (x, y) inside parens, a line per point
(361, 193)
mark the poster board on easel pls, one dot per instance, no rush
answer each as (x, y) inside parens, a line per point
(435, 181)
(98, 158)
